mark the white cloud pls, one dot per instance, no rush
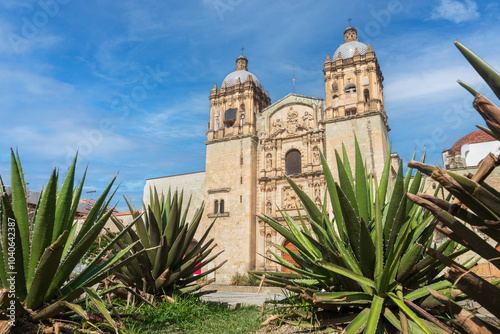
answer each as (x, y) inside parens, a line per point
(182, 120)
(427, 83)
(456, 11)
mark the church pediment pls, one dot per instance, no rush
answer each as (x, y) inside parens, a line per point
(294, 115)
(292, 120)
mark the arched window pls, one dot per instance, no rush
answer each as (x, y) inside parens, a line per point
(221, 206)
(366, 93)
(335, 87)
(293, 162)
(216, 207)
(350, 87)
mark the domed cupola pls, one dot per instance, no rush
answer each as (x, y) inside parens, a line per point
(240, 73)
(233, 106)
(350, 45)
(353, 80)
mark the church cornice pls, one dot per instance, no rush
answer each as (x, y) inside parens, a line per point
(304, 175)
(255, 139)
(362, 115)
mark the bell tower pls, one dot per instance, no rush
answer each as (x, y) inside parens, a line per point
(230, 190)
(355, 103)
(353, 79)
(234, 105)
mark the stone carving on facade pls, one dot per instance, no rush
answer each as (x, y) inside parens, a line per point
(290, 199)
(269, 160)
(308, 120)
(217, 123)
(268, 243)
(317, 190)
(269, 208)
(277, 124)
(318, 202)
(277, 127)
(242, 118)
(316, 156)
(217, 119)
(292, 122)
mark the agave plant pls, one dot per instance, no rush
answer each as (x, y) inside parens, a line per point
(40, 254)
(367, 264)
(477, 204)
(175, 256)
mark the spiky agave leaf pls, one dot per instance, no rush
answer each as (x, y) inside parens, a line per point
(171, 265)
(47, 288)
(366, 252)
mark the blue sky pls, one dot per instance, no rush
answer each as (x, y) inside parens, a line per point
(127, 82)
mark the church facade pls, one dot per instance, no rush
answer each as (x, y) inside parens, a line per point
(253, 143)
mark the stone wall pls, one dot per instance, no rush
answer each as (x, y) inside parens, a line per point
(371, 133)
(191, 183)
(231, 177)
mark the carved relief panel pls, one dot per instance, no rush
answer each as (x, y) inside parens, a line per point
(292, 120)
(289, 198)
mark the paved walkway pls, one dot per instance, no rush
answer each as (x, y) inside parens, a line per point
(235, 296)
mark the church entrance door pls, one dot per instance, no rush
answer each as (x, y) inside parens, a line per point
(287, 257)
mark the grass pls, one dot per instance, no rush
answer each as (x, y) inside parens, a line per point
(193, 316)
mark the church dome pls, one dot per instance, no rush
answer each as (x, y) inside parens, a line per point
(347, 49)
(232, 78)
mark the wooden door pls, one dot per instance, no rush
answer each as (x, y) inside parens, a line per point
(287, 257)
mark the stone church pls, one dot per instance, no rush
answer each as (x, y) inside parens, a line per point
(253, 143)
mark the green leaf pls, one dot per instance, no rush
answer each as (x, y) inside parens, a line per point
(394, 203)
(64, 201)
(468, 88)
(94, 214)
(343, 297)
(75, 255)
(346, 185)
(98, 272)
(358, 323)
(20, 207)
(44, 273)
(172, 227)
(44, 226)
(392, 259)
(334, 200)
(384, 180)
(347, 165)
(363, 281)
(361, 186)
(59, 307)
(408, 262)
(488, 73)
(100, 306)
(408, 312)
(359, 236)
(104, 251)
(71, 219)
(309, 205)
(379, 239)
(374, 316)
(485, 129)
(424, 291)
